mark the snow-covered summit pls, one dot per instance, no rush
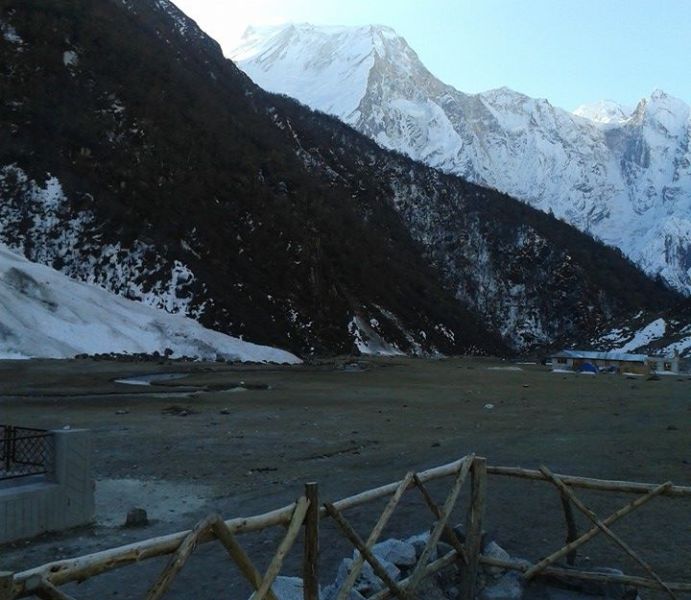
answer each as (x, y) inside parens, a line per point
(623, 176)
(311, 63)
(44, 313)
(606, 112)
(663, 112)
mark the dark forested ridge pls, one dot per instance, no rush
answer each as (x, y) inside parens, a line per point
(133, 155)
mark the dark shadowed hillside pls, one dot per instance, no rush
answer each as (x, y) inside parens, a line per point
(133, 155)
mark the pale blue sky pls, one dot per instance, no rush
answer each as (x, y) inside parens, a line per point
(570, 52)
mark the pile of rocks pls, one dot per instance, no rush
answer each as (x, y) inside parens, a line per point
(399, 558)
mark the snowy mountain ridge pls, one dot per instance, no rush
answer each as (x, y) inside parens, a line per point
(622, 176)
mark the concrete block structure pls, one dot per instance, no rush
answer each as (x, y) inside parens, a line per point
(664, 364)
(58, 499)
(620, 362)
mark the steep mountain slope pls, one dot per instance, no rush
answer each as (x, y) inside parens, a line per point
(45, 314)
(622, 176)
(664, 333)
(134, 156)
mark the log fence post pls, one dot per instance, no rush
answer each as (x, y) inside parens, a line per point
(571, 527)
(6, 584)
(473, 543)
(310, 569)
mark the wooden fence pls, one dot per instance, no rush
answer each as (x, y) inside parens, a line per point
(45, 581)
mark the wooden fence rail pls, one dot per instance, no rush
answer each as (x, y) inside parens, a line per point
(305, 514)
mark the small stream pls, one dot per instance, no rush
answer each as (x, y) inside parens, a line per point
(151, 378)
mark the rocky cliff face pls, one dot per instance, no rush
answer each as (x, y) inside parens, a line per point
(622, 176)
(136, 157)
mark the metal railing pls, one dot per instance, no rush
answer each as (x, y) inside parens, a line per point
(24, 451)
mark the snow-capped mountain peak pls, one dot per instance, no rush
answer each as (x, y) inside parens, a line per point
(663, 112)
(621, 175)
(606, 112)
(313, 63)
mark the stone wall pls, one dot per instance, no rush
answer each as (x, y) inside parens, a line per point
(61, 499)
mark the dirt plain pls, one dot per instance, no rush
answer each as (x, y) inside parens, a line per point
(205, 443)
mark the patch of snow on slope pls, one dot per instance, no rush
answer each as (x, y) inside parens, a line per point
(10, 34)
(38, 220)
(70, 58)
(651, 332)
(682, 347)
(45, 314)
(185, 26)
(369, 341)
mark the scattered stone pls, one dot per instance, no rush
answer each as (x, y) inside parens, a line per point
(443, 548)
(429, 589)
(494, 550)
(460, 533)
(122, 411)
(224, 411)
(399, 557)
(489, 406)
(367, 582)
(447, 578)
(329, 593)
(288, 588)
(419, 542)
(178, 411)
(436, 445)
(136, 517)
(400, 553)
(508, 587)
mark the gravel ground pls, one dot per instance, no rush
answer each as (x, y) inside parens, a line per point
(242, 440)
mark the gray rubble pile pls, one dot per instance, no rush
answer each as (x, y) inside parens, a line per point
(399, 558)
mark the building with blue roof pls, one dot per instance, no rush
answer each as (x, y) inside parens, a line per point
(589, 361)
